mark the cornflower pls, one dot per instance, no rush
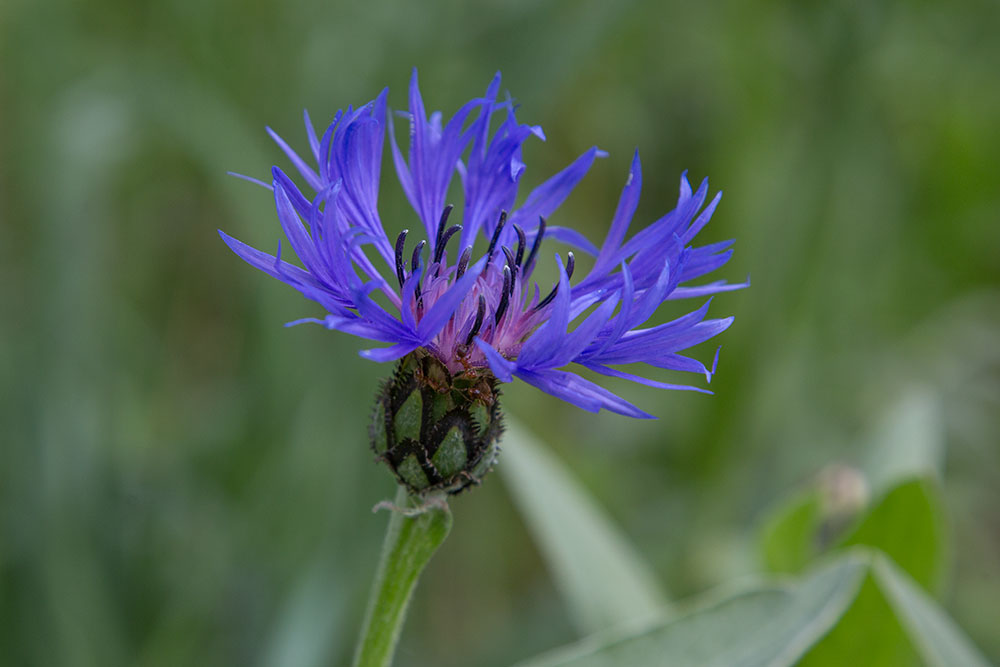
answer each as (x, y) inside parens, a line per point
(459, 322)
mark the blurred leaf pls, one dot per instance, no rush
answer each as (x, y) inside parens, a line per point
(907, 524)
(933, 633)
(788, 537)
(908, 442)
(893, 622)
(604, 581)
(770, 626)
(313, 622)
(867, 634)
(807, 525)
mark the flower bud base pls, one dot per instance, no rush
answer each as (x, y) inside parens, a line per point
(435, 430)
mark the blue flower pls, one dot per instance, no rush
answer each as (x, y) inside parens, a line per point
(484, 312)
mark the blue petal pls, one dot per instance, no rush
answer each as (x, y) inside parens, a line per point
(623, 350)
(647, 245)
(289, 273)
(612, 372)
(574, 389)
(545, 343)
(584, 334)
(444, 308)
(663, 339)
(407, 295)
(685, 187)
(706, 290)
(352, 325)
(375, 314)
(502, 368)
(623, 322)
(298, 200)
(383, 354)
(678, 362)
(548, 196)
(434, 153)
(326, 165)
(253, 180)
(307, 172)
(296, 232)
(402, 170)
(572, 237)
(607, 258)
(311, 132)
(702, 218)
(703, 263)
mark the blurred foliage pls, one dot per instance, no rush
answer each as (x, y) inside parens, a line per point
(762, 626)
(184, 481)
(604, 582)
(877, 613)
(862, 598)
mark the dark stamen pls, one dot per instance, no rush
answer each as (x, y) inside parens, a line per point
(400, 242)
(415, 259)
(443, 241)
(522, 241)
(414, 265)
(504, 296)
(444, 220)
(547, 300)
(463, 262)
(496, 236)
(529, 264)
(570, 265)
(480, 314)
(512, 265)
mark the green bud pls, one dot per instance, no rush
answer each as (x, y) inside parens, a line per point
(436, 430)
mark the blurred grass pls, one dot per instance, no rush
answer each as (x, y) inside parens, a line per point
(185, 481)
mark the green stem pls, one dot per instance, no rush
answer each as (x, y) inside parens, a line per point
(410, 541)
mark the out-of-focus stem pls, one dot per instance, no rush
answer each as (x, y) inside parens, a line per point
(410, 541)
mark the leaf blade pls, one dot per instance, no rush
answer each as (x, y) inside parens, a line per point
(603, 579)
(766, 627)
(932, 632)
(908, 524)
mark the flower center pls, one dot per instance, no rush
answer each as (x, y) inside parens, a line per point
(499, 308)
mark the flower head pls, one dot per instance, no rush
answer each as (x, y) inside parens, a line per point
(482, 312)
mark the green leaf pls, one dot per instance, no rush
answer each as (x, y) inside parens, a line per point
(809, 524)
(936, 637)
(893, 622)
(867, 634)
(770, 626)
(604, 581)
(908, 525)
(788, 538)
(908, 442)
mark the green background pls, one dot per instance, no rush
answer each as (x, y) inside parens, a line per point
(185, 481)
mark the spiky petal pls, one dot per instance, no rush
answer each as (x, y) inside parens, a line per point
(485, 313)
